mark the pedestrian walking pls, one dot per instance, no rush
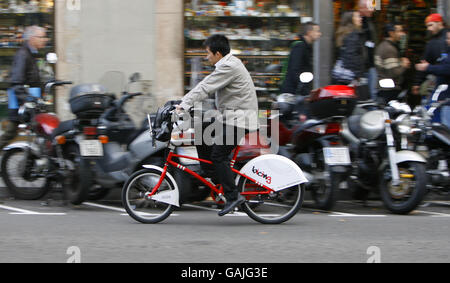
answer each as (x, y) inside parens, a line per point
(300, 61)
(24, 71)
(350, 67)
(389, 64)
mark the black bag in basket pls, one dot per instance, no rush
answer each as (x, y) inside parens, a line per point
(162, 126)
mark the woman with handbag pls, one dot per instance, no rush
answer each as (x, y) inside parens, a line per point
(350, 65)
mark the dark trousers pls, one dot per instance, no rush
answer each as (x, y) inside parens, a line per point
(219, 154)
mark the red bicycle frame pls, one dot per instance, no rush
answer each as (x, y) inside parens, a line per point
(217, 188)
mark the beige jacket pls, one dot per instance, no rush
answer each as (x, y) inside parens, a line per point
(235, 93)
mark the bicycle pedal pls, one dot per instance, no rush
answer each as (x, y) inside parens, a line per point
(220, 197)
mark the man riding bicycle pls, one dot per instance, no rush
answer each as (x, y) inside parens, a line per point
(237, 105)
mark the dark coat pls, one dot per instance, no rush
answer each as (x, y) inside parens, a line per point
(24, 71)
(354, 54)
(433, 52)
(24, 68)
(300, 61)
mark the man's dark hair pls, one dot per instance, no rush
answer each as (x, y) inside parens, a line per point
(390, 27)
(309, 26)
(218, 43)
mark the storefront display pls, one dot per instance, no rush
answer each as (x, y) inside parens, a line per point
(260, 33)
(15, 16)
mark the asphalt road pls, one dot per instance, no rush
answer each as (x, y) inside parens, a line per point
(35, 231)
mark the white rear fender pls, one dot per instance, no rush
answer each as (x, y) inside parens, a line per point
(170, 197)
(275, 171)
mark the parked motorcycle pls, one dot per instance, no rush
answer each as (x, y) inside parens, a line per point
(30, 168)
(378, 162)
(315, 144)
(432, 140)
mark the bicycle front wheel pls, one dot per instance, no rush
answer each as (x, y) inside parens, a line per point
(137, 205)
(274, 208)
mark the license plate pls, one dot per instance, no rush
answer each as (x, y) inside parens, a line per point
(91, 148)
(190, 151)
(336, 156)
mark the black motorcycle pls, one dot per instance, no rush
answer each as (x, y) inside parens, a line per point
(432, 140)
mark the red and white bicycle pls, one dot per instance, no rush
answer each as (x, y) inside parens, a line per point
(272, 185)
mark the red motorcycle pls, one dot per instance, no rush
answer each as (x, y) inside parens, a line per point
(46, 158)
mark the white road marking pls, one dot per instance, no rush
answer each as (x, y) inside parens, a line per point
(20, 211)
(105, 206)
(434, 214)
(340, 214)
(119, 209)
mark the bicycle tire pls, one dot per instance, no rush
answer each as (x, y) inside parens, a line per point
(251, 209)
(141, 203)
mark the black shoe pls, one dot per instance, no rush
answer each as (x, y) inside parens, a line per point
(230, 205)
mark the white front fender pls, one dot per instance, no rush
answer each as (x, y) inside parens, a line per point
(275, 171)
(22, 145)
(170, 197)
(407, 155)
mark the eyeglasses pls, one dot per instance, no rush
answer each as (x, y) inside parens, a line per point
(40, 36)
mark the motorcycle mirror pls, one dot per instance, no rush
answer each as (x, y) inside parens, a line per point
(306, 77)
(387, 83)
(52, 58)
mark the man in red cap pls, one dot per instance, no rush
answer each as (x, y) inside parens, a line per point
(436, 48)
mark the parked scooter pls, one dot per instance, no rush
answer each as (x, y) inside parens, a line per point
(378, 162)
(315, 144)
(114, 146)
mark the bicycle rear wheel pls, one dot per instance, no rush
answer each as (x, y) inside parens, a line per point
(274, 208)
(140, 208)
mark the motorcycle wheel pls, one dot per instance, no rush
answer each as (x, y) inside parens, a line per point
(324, 192)
(16, 175)
(409, 194)
(80, 181)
